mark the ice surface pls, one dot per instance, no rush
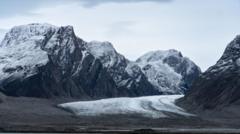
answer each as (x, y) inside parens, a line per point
(151, 106)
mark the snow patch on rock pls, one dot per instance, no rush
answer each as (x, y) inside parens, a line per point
(19, 34)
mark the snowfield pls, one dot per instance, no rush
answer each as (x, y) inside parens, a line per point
(150, 106)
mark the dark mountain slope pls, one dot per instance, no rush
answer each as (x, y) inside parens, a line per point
(220, 85)
(41, 60)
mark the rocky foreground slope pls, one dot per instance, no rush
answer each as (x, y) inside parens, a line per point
(219, 86)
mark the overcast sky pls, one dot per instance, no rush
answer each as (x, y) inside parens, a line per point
(199, 29)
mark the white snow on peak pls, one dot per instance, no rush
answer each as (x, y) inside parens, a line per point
(20, 50)
(100, 48)
(105, 52)
(161, 75)
(15, 60)
(19, 34)
(151, 106)
(161, 69)
(24, 48)
(159, 55)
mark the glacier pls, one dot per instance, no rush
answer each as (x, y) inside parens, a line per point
(150, 106)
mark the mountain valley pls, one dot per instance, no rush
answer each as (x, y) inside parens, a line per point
(52, 80)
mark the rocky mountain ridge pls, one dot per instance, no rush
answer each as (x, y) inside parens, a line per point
(42, 60)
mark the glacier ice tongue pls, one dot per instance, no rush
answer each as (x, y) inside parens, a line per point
(151, 106)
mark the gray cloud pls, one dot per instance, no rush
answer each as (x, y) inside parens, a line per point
(19, 7)
(92, 3)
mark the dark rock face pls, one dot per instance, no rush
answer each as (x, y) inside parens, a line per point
(220, 85)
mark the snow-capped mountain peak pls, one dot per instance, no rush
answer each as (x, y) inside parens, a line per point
(26, 47)
(21, 49)
(168, 70)
(105, 52)
(22, 33)
(159, 55)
